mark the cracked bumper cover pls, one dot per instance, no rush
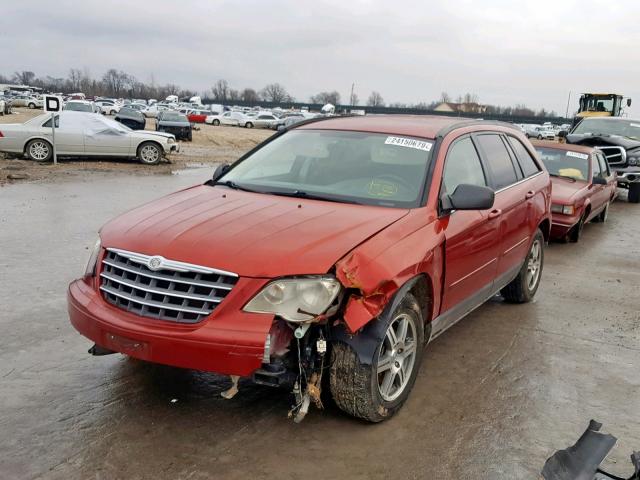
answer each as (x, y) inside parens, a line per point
(229, 341)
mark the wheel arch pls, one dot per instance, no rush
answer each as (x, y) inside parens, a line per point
(31, 139)
(545, 227)
(366, 340)
(142, 142)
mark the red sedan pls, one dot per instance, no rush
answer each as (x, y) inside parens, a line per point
(583, 187)
(198, 116)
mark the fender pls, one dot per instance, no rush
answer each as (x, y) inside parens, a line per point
(366, 341)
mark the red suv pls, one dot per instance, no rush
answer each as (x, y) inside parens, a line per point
(337, 248)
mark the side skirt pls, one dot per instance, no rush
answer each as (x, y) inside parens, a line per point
(452, 316)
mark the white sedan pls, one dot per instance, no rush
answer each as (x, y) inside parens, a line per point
(226, 118)
(80, 134)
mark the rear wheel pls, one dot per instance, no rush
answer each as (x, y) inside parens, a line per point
(634, 193)
(149, 153)
(216, 122)
(248, 125)
(539, 137)
(39, 150)
(32, 106)
(523, 288)
(376, 391)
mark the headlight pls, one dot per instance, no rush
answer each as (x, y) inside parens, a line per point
(296, 299)
(634, 160)
(563, 209)
(171, 140)
(90, 271)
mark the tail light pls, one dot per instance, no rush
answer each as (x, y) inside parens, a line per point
(1, 135)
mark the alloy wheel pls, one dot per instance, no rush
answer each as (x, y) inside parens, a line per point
(397, 357)
(39, 150)
(149, 154)
(534, 264)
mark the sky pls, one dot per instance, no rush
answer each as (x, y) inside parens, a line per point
(506, 52)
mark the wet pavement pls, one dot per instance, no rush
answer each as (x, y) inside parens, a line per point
(496, 395)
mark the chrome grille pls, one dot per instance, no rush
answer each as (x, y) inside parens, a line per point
(615, 155)
(155, 287)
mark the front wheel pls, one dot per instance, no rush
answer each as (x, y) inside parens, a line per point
(39, 150)
(149, 153)
(523, 288)
(248, 125)
(603, 215)
(539, 137)
(216, 123)
(375, 391)
(32, 106)
(634, 193)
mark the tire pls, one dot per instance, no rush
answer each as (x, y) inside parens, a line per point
(576, 232)
(539, 137)
(357, 389)
(39, 150)
(523, 288)
(248, 125)
(190, 136)
(216, 123)
(149, 153)
(603, 215)
(32, 106)
(527, 135)
(634, 193)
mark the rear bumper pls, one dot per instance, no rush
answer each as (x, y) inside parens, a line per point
(229, 341)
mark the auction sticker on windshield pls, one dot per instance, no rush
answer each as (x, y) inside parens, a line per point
(409, 142)
(583, 156)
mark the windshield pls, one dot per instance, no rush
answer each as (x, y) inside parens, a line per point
(174, 117)
(565, 163)
(357, 167)
(624, 128)
(78, 107)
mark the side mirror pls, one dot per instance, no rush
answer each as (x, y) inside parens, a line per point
(469, 197)
(599, 181)
(220, 171)
(628, 102)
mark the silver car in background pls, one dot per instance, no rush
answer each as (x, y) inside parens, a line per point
(80, 134)
(261, 120)
(27, 101)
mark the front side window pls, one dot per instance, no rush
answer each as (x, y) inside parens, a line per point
(604, 166)
(502, 169)
(462, 166)
(595, 166)
(356, 167)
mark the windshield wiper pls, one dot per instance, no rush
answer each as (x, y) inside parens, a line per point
(235, 186)
(563, 176)
(311, 196)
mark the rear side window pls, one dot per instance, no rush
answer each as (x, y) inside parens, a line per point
(462, 166)
(500, 164)
(528, 164)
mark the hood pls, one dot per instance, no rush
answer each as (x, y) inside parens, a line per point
(564, 191)
(251, 234)
(146, 133)
(595, 140)
(167, 123)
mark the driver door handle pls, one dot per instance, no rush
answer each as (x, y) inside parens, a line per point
(529, 194)
(495, 213)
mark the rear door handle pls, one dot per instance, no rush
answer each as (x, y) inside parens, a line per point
(495, 213)
(529, 194)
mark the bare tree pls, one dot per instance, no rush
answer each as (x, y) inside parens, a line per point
(375, 100)
(249, 95)
(274, 92)
(115, 82)
(220, 90)
(470, 98)
(444, 97)
(326, 97)
(24, 77)
(354, 99)
(75, 74)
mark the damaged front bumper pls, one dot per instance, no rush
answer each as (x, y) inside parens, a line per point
(230, 341)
